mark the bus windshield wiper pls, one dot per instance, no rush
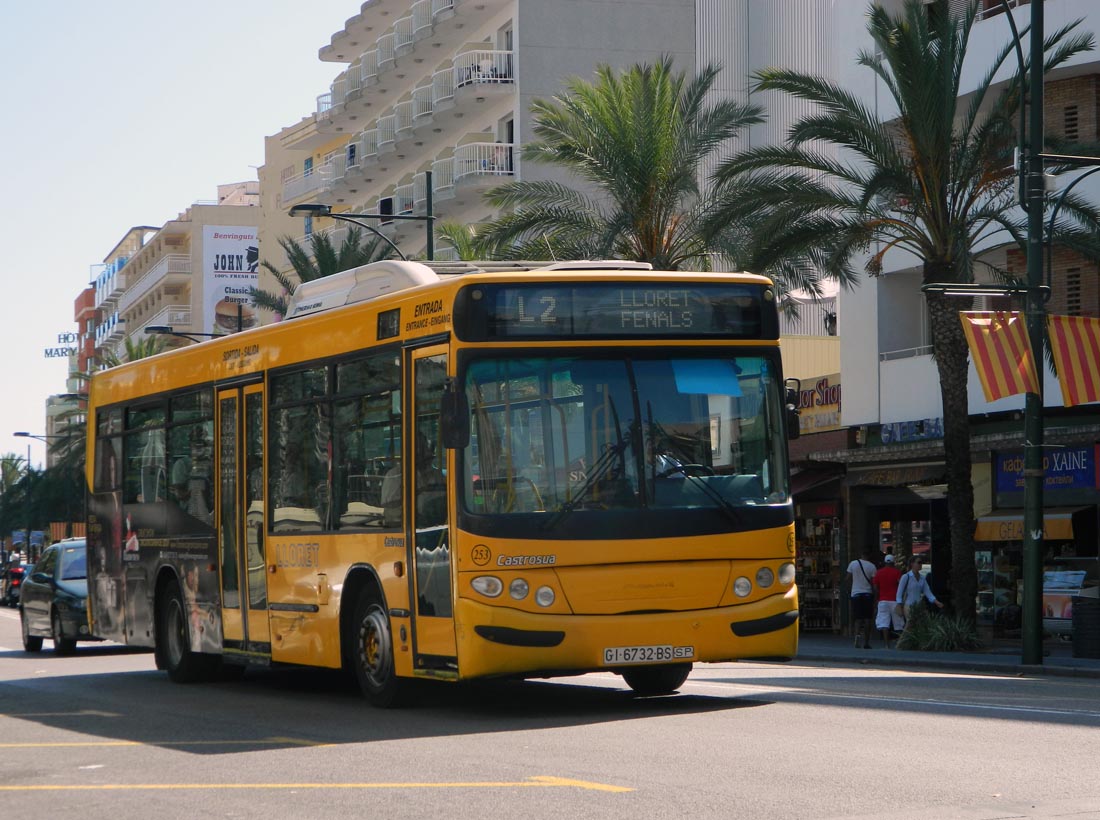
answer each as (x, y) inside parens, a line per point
(720, 501)
(599, 471)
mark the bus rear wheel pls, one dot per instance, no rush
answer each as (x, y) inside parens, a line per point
(657, 680)
(373, 655)
(173, 645)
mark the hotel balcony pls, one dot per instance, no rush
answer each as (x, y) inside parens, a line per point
(172, 269)
(177, 317)
(429, 26)
(301, 185)
(110, 331)
(363, 27)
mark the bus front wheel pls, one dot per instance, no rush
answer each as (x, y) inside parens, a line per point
(373, 657)
(657, 680)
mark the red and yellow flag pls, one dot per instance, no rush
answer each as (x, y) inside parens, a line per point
(999, 343)
(1075, 344)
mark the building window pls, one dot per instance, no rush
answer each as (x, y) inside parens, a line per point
(1073, 291)
(1070, 127)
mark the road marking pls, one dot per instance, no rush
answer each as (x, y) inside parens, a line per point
(266, 741)
(531, 782)
(78, 713)
(909, 701)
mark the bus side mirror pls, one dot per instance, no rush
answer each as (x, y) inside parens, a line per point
(793, 390)
(454, 417)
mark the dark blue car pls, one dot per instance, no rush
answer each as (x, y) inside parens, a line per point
(54, 598)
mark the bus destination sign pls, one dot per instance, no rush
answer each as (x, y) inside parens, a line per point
(609, 310)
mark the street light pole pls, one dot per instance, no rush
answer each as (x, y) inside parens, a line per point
(1032, 605)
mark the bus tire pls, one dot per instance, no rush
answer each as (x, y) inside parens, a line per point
(173, 643)
(657, 680)
(372, 656)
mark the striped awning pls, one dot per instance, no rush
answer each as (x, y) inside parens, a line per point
(1008, 525)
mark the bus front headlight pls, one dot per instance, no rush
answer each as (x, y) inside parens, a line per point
(518, 589)
(742, 587)
(765, 577)
(786, 574)
(488, 585)
(544, 596)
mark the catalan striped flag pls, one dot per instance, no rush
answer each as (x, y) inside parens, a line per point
(1075, 343)
(999, 343)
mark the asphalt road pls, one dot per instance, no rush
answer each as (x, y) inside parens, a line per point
(103, 734)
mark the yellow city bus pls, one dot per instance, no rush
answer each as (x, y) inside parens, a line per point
(455, 472)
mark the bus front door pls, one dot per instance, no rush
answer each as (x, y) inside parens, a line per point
(428, 516)
(240, 519)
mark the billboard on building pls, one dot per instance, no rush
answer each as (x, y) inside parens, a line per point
(230, 257)
(819, 404)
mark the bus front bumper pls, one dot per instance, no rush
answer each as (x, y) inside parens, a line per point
(495, 640)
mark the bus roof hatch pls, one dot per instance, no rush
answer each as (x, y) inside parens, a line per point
(357, 285)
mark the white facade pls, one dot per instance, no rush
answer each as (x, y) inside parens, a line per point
(885, 343)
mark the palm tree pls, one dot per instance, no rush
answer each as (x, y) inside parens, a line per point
(465, 240)
(937, 181)
(636, 141)
(323, 261)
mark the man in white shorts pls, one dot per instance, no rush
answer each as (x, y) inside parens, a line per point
(887, 616)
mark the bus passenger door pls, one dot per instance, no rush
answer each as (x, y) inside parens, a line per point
(240, 517)
(433, 607)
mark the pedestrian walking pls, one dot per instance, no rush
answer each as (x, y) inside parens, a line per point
(887, 619)
(860, 574)
(912, 588)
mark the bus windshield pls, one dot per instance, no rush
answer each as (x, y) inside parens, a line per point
(563, 433)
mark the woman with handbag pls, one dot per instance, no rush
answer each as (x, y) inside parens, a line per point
(912, 587)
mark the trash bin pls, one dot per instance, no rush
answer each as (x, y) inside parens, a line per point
(1086, 627)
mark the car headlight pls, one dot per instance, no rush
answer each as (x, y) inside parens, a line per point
(742, 587)
(786, 574)
(488, 585)
(765, 577)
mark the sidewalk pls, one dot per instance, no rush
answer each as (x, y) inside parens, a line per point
(1058, 657)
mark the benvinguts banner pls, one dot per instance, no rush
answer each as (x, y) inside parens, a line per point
(230, 257)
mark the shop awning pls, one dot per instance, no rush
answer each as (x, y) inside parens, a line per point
(1008, 525)
(805, 480)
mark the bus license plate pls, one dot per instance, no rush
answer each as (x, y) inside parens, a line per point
(616, 655)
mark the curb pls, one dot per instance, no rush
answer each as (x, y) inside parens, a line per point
(911, 660)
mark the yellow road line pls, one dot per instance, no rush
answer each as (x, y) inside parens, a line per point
(268, 741)
(531, 782)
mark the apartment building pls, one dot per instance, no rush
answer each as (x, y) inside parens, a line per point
(176, 275)
(441, 90)
(893, 458)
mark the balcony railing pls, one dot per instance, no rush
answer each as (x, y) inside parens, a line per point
(443, 178)
(324, 105)
(368, 67)
(178, 317)
(422, 18)
(301, 184)
(387, 133)
(403, 114)
(441, 6)
(483, 67)
(422, 104)
(443, 88)
(169, 265)
(483, 159)
(404, 34)
(369, 144)
(403, 197)
(386, 53)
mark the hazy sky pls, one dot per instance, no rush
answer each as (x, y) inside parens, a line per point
(119, 113)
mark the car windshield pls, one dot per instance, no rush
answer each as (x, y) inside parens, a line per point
(562, 433)
(74, 564)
